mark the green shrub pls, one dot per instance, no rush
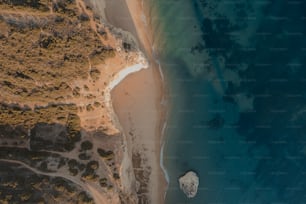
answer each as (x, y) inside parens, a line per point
(83, 197)
(116, 176)
(105, 154)
(103, 182)
(89, 107)
(84, 156)
(86, 145)
(95, 74)
(93, 165)
(97, 104)
(73, 172)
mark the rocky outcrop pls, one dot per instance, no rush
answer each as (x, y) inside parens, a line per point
(189, 184)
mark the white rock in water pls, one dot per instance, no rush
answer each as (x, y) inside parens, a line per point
(189, 184)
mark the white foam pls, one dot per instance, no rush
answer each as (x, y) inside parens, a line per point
(161, 162)
(163, 167)
(158, 62)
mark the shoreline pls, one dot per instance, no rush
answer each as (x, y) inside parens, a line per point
(163, 126)
(158, 183)
(148, 44)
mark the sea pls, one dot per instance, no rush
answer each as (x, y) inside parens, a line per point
(235, 72)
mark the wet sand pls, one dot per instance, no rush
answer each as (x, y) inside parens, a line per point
(135, 103)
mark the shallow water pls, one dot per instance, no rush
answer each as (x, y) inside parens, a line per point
(236, 77)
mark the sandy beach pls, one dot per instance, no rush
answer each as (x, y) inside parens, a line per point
(137, 104)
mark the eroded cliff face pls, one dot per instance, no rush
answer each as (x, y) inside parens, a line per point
(56, 125)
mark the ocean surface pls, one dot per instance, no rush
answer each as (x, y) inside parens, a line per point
(236, 76)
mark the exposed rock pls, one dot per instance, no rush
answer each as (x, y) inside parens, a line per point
(189, 184)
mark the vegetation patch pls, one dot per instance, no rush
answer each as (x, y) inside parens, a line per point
(103, 182)
(86, 145)
(55, 127)
(105, 154)
(41, 51)
(95, 74)
(84, 156)
(20, 185)
(83, 197)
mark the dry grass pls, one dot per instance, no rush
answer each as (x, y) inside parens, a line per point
(62, 114)
(41, 51)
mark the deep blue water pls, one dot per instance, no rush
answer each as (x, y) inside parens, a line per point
(236, 75)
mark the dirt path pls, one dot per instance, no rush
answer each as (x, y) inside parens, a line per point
(70, 178)
(90, 188)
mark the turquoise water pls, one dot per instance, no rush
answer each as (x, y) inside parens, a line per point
(236, 76)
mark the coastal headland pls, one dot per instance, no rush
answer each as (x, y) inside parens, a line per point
(80, 102)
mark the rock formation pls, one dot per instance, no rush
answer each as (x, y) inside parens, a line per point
(189, 184)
